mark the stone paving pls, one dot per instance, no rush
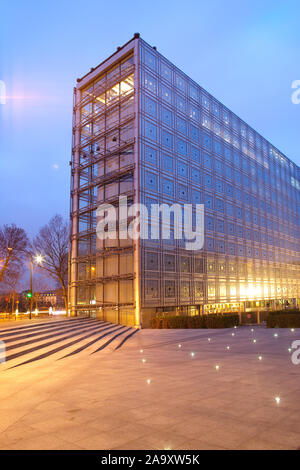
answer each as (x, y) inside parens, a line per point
(161, 390)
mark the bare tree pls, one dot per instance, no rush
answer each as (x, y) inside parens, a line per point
(10, 284)
(13, 245)
(52, 242)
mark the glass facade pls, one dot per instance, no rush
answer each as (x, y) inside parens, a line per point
(144, 129)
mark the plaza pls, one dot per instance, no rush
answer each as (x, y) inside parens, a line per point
(233, 388)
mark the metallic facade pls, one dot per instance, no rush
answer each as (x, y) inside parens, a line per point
(143, 129)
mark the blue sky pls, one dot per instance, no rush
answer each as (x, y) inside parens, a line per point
(245, 53)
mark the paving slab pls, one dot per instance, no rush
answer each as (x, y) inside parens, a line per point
(160, 390)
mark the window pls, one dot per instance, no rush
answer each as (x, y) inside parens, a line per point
(209, 223)
(219, 168)
(151, 181)
(210, 244)
(195, 154)
(151, 261)
(169, 263)
(193, 92)
(151, 155)
(166, 72)
(195, 175)
(209, 202)
(206, 141)
(199, 291)
(185, 264)
(151, 289)
(205, 121)
(207, 161)
(194, 114)
(180, 83)
(181, 125)
(150, 60)
(185, 289)
(168, 187)
(196, 197)
(183, 192)
(151, 107)
(182, 169)
(218, 147)
(230, 227)
(194, 133)
(150, 130)
(170, 289)
(207, 181)
(166, 94)
(167, 116)
(180, 102)
(216, 110)
(220, 226)
(150, 83)
(205, 102)
(167, 162)
(181, 146)
(219, 186)
(220, 205)
(167, 139)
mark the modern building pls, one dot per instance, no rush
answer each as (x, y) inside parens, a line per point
(51, 297)
(145, 130)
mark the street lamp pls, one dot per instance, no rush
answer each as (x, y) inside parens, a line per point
(38, 260)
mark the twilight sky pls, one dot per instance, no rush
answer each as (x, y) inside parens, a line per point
(245, 53)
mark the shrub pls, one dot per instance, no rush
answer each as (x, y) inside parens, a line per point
(284, 312)
(283, 320)
(197, 321)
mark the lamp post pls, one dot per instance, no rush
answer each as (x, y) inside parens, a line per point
(38, 259)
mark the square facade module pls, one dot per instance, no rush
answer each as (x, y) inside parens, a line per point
(145, 130)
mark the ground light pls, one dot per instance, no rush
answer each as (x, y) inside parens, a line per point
(277, 399)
